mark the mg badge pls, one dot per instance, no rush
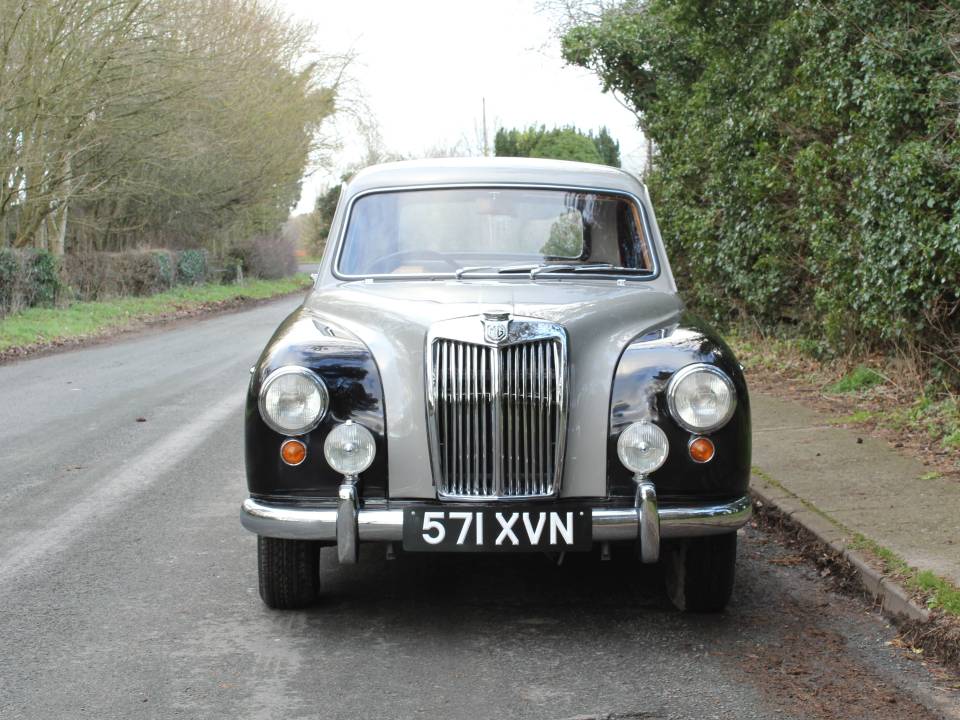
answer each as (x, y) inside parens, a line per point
(496, 326)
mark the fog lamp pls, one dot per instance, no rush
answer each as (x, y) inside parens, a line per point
(642, 447)
(349, 448)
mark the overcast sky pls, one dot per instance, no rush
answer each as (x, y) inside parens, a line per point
(424, 67)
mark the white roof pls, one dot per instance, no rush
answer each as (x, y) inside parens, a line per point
(493, 171)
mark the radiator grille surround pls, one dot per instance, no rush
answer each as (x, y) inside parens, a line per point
(497, 407)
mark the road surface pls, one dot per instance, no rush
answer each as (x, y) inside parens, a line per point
(128, 588)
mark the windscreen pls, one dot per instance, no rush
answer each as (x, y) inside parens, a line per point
(443, 231)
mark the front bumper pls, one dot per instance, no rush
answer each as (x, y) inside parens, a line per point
(348, 525)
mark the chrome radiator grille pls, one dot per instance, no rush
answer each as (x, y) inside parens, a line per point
(498, 417)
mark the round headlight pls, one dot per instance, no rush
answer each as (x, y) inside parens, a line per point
(701, 398)
(349, 448)
(642, 447)
(293, 400)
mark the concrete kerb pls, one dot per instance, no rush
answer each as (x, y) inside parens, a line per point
(894, 600)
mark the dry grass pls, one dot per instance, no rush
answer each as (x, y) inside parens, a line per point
(884, 396)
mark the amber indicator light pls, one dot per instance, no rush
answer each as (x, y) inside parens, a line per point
(293, 452)
(702, 450)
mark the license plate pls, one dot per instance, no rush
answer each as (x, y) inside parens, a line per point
(517, 529)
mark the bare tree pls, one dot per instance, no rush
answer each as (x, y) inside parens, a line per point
(171, 121)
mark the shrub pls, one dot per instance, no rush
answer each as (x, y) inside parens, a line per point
(43, 279)
(808, 159)
(28, 278)
(97, 275)
(273, 257)
(166, 267)
(264, 256)
(192, 267)
(87, 275)
(10, 268)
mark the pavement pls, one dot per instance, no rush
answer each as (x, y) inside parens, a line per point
(128, 588)
(840, 483)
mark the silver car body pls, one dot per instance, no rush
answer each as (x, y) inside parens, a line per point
(393, 316)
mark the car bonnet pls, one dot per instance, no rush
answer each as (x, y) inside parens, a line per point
(393, 319)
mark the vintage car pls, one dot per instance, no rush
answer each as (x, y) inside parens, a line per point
(494, 358)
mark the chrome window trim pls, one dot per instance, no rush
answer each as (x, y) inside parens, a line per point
(348, 213)
(471, 329)
(687, 370)
(288, 370)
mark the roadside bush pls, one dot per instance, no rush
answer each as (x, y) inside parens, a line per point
(43, 279)
(97, 275)
(264, 256)
(273, 257)
(28, 278)
(807, 167)
(192, 267)
(166, 267)
(9, 278)
(87, 275)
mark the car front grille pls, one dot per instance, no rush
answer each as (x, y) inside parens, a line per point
(498, 418)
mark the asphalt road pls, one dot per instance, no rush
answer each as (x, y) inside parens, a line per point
(128, 588)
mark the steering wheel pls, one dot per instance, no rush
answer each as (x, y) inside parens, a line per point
(380, 264)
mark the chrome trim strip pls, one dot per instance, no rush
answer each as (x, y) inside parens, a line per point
(386, 525)
(348, 213)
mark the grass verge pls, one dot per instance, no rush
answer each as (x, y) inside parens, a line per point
(938, 593)
(38, 327)
(938, 637)
(883, 395)
(930, 589)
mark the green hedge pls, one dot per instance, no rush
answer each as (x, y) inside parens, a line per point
(28, 279)
(192, 267)
(808, 160)
(263, 256)
(99, 275)
(31, 278)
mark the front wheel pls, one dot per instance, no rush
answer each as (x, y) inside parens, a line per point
(699, 572)
(289, 572)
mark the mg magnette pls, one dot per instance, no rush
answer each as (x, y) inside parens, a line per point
(494, 358)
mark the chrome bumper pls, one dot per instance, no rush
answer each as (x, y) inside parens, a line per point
(646, 522)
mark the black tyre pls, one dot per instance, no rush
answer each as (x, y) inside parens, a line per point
(289, 572)
(699, 572)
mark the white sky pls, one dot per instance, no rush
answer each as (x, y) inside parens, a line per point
(424, 66)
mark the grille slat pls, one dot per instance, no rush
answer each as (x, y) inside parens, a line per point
(498, 420)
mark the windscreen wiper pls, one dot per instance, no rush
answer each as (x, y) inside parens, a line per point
(459, 273)
(581, 268)
(535, 270)
(615, 268)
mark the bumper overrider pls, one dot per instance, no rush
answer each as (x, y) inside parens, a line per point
(348, 524)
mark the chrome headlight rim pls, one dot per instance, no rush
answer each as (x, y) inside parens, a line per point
(313, 378)
(685, 372)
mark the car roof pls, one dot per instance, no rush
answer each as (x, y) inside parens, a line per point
(493, 171)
